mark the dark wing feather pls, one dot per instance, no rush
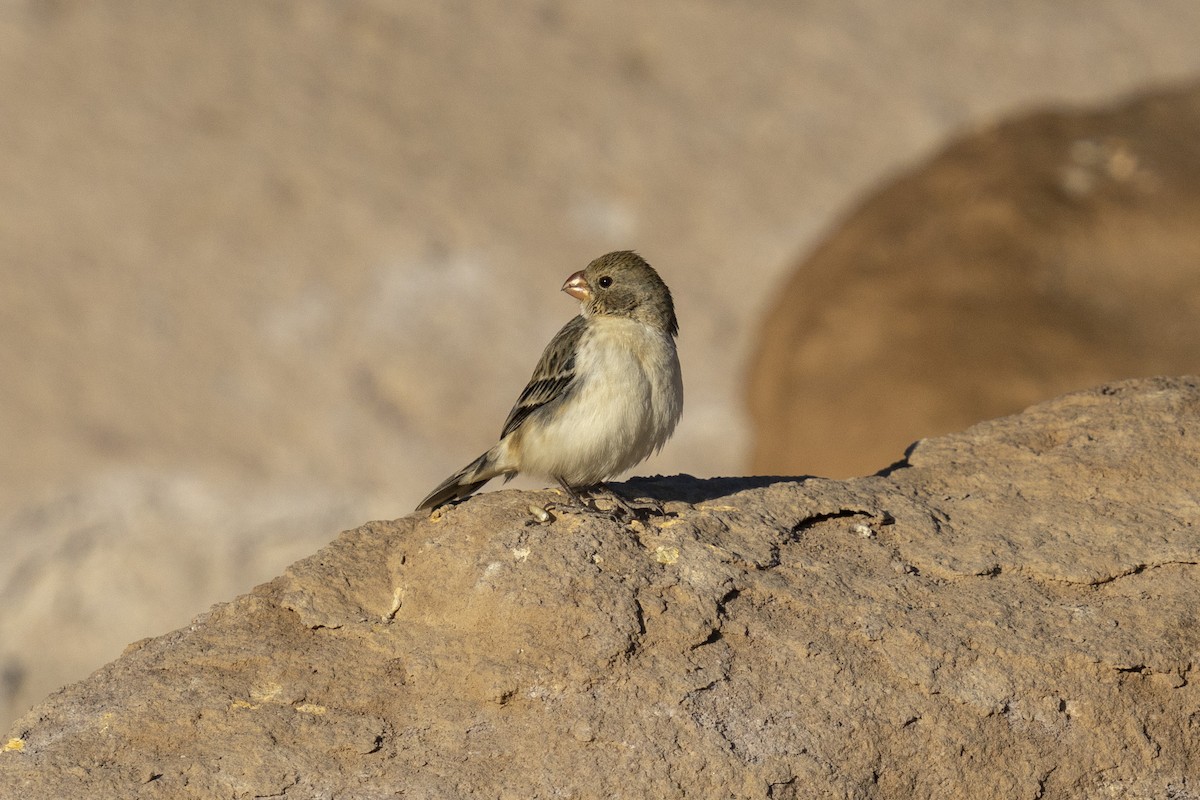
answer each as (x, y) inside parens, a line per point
(553, 378)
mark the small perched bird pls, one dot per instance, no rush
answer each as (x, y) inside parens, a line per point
(606, 393)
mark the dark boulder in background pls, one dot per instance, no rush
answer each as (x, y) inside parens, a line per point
(1045, 254)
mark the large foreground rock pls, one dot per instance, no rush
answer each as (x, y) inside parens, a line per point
(1009, 613)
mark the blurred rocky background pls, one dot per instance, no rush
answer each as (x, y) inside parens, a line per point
(273, 269)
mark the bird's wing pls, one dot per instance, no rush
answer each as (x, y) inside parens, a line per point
(553, 377)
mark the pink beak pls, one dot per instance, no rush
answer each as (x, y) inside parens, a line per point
(577, 287)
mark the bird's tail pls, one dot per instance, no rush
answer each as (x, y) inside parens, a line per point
(464, 483)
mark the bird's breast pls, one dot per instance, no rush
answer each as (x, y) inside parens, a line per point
(626, 402)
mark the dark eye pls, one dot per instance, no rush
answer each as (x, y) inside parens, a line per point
(605, 282)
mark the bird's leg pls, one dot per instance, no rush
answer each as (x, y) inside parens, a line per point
(571, 493)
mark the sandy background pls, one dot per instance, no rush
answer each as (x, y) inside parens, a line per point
(273, 269)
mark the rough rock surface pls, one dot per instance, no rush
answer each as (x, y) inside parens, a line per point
(1051, 252)
(1007, 613)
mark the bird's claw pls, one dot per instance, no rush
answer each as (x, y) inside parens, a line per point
(622, 510)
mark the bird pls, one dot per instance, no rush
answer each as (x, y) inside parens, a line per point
(605, 395)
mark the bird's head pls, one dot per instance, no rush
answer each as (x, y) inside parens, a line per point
(622, 284)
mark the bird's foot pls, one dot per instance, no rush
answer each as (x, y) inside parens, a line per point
(640, 509)
(621, 510)
(587, 508)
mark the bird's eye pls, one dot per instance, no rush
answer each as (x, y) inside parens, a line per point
(605, 282)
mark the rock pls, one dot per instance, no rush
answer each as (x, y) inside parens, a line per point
(1008, 612)
(1048, 253)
